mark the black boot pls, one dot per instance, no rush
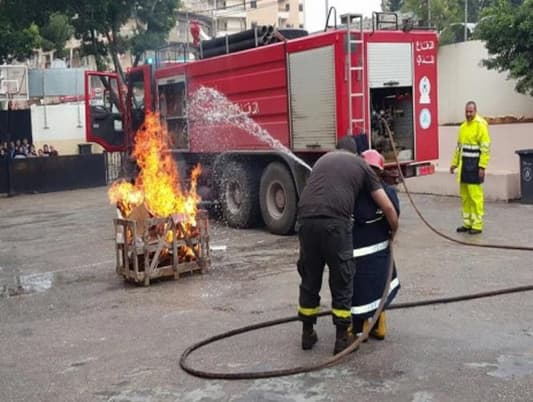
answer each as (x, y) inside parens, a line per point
(309, 336)
(345, 337)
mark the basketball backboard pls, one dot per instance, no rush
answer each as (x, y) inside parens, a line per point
(13, 83)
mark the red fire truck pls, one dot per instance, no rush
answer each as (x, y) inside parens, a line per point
(307, 92)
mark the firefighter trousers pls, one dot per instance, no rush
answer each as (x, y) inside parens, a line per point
(472, 200)
(326, 241)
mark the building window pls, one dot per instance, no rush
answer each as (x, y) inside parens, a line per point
(287, 7)
(300, 7)
(301, 26)
(253, 4)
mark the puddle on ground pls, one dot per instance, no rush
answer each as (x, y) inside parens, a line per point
(29, 284)
(509, 367)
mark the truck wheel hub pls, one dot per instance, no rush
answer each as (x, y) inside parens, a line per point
(276, 200)
(234, 196)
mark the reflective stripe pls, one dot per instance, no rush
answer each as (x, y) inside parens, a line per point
(374, 248)
(340, 313)
(470, 154)
(308, 311)
(374, 305)
(471, 147)
(374, 220)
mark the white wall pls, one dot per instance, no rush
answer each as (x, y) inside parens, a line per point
(62, 126)
(463, 78)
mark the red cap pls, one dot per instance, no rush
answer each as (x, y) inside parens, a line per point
(374, 158)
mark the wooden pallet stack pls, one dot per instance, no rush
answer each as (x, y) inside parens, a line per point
(161, 247)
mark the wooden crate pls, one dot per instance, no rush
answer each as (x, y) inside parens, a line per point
(154, 248)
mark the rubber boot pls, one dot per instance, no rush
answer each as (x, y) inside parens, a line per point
(344, 338)
(366, 325)
(309, 336)
(380, 329)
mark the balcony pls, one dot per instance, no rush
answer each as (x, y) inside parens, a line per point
(283, 15)
(230, 13)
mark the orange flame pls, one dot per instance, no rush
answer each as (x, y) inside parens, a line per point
(125, 195)
(158, 183)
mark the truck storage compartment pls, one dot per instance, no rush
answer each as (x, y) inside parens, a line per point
(394, 107)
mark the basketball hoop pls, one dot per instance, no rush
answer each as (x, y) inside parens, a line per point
(14, 83)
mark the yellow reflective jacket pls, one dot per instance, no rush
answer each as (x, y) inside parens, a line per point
(473, 149)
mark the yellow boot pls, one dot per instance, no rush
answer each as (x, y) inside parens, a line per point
(380, 330)
(366, 324)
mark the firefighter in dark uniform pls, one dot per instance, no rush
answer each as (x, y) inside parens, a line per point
(324, 225)
(371, 239)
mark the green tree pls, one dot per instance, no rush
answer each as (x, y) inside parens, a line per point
(506, 28)
(19, 34)
(108, 28)
(447, 16)
(392, 5)
(440, 12)
(56, 33)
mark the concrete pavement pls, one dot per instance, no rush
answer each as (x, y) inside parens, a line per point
(79, 333)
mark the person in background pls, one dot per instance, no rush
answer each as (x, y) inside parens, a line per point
(471, 158)
(324, 225)
(26, 145)
(11, 149)
(19, 153)
(46, 150)
(53, 151)
(371, 243)
(32, 153)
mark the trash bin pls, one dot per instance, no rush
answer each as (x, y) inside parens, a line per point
(526, 175)
(85, 149)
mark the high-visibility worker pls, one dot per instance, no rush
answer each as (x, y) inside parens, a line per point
(472, 157)
(371, 243)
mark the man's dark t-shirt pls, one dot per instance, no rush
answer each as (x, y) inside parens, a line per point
(334, 184)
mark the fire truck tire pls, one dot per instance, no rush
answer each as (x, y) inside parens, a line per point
(278, 199)
(238, 194)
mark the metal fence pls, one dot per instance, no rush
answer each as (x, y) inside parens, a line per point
(115, 164)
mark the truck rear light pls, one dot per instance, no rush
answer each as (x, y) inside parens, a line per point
(424, 170)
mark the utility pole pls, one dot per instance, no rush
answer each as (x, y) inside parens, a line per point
(466, 20)
(187, 50)
(429, 12)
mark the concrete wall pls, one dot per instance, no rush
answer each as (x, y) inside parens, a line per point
(463, 78)
(62, 126)
(503, 177)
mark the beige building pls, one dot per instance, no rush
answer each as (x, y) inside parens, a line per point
(230, 16)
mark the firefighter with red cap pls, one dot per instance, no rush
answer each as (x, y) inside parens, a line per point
(324, 226)
(371, 240)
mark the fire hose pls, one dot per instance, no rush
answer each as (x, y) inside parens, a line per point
(354, 346)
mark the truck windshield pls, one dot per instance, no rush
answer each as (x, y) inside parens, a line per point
(136, 94)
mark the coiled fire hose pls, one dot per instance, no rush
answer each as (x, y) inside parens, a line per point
(338, 357)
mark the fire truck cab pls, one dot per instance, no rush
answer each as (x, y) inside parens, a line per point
(306, 92)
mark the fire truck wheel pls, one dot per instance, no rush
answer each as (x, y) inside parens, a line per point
(238, 192)
(278, 199)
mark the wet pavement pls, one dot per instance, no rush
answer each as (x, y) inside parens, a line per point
(72, 330)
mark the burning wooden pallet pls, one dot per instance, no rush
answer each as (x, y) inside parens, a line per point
(150, 248)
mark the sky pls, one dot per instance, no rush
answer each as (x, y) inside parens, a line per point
(315, 10)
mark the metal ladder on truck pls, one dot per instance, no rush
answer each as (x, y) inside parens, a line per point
(352, 21)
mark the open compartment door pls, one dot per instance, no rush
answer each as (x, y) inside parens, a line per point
(104, 111)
